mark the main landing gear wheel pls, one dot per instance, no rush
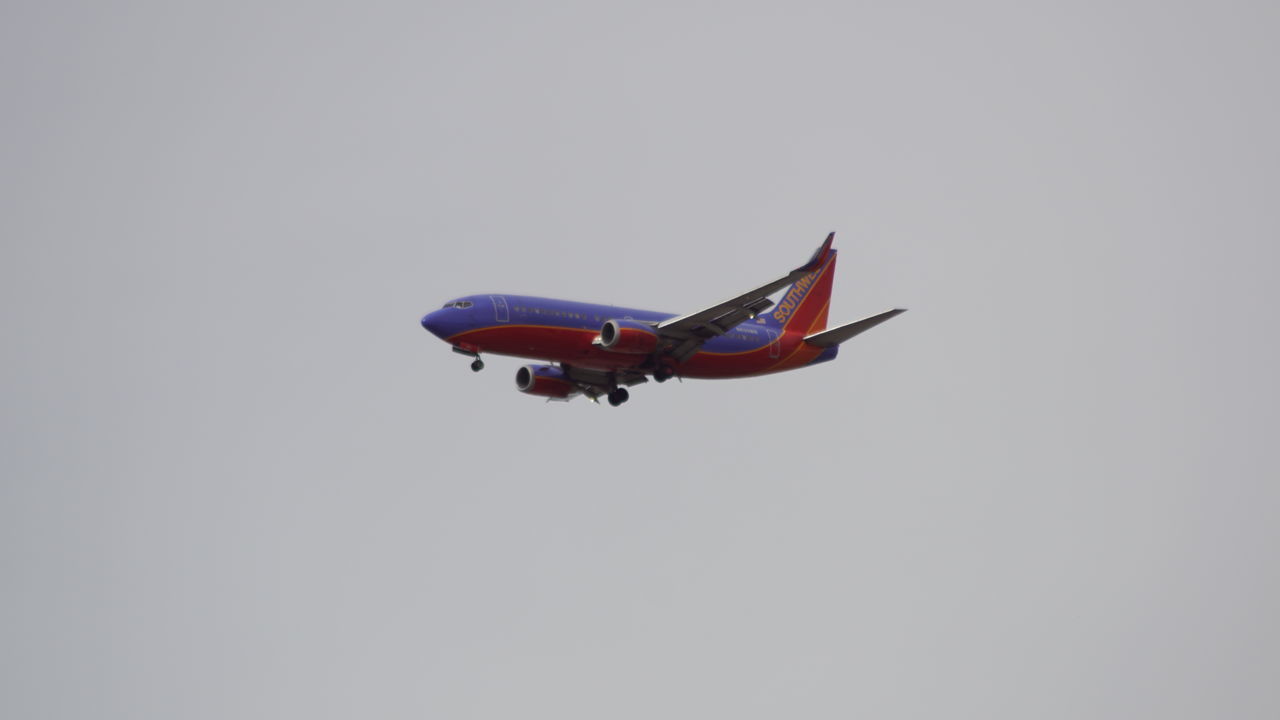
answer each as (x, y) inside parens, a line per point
(619, 396)
(663, 374)
(477, 365)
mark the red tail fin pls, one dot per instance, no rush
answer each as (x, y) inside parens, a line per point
(803, 308)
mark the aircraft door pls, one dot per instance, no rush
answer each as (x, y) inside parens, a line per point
(500, 312)
(775, 348)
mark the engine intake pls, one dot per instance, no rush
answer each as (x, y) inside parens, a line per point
(628, 336)
(545, 380)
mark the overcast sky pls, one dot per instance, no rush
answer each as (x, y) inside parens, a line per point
(238, 480)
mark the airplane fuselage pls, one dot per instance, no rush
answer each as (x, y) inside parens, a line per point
(568, 332)
(601, 350)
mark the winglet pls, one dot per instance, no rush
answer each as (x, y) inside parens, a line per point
(820, 257)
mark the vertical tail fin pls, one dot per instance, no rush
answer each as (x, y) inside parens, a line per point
(804, 306)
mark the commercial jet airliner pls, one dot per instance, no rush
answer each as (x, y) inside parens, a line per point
(601, 350)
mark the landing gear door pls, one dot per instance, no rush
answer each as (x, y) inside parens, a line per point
(500, 312)
(775, 348)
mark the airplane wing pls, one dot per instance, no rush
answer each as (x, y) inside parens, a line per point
(690, 331)
(588, 378)
(596, 384)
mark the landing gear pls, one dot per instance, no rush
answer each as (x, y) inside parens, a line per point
(618, 396)
(476, 364)
(662, 373)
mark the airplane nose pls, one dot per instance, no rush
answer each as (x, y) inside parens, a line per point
(438, 323)
(431, 323)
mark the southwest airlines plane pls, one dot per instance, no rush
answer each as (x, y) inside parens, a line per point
(600, 350)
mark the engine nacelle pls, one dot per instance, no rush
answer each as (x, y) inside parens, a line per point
(628, 336)
(545, 380)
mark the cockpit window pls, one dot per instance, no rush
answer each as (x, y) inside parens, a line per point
(458, 304)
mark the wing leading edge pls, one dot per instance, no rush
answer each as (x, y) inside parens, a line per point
(691, 330)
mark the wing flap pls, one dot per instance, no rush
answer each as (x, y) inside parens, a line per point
(723, 317)
(601, 379)
(690, 324)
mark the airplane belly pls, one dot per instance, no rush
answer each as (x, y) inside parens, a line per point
(559, 344)
(792, 352)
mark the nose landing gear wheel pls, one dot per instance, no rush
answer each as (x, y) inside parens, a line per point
(619, 396)
(477, 365)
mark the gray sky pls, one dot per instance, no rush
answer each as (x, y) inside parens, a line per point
(238, 480)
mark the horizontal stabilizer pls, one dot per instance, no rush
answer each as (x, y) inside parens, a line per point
(835, 336)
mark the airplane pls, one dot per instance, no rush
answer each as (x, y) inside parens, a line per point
(601, 350)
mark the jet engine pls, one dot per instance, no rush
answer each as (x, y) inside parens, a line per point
(628, 336)
(545, 380)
